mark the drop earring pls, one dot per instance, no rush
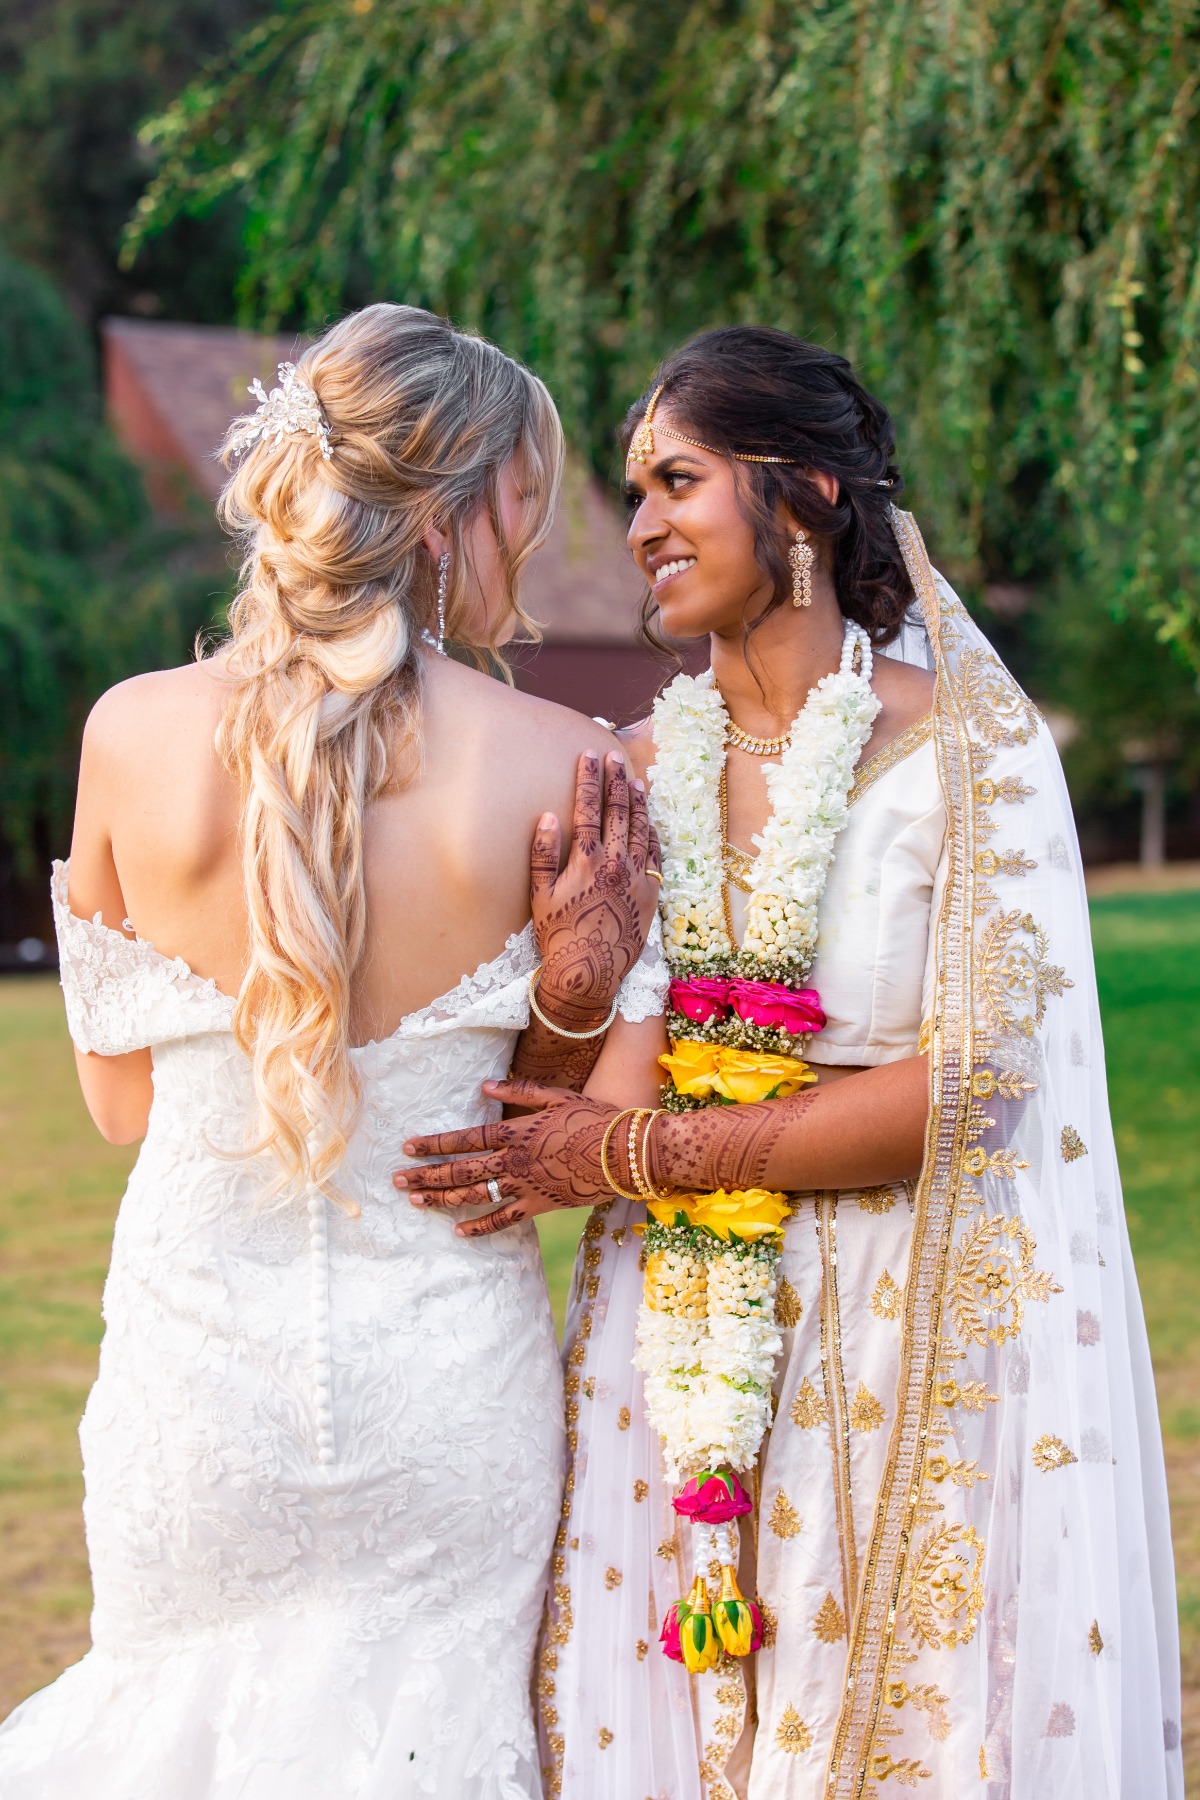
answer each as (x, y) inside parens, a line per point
(801, 557)
(443, 583)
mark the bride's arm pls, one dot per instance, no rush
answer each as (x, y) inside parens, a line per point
(861, 1131)
(590, 921)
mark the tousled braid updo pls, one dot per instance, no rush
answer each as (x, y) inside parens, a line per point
(749, 389)
(324, 714)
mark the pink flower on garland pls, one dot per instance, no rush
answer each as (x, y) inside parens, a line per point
(703, 998)
(712, 1499)
(769, 1003)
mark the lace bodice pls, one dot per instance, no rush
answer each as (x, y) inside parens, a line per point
(121, 994)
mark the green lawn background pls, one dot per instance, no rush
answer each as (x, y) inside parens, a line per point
(59, 1186)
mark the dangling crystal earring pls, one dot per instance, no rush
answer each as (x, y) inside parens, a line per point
(802, 556)
(443, 584)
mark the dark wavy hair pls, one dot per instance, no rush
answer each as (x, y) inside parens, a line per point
(748, 389)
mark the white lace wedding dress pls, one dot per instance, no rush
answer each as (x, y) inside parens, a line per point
(323, 1455)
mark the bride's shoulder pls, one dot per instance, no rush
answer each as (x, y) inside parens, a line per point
(155, 710)
(512, 723)
(905, 693)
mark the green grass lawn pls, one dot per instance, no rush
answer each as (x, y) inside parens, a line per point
(59, 1186)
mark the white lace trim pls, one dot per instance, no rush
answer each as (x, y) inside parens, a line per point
(122, 994)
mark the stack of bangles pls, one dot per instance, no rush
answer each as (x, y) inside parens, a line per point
(641, 1119)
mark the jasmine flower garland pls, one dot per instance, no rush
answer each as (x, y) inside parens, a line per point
(739, 1020)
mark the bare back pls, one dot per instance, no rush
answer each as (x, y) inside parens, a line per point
(446, 854)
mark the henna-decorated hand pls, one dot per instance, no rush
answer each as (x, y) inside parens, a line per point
(548, 1158)
(592, 919)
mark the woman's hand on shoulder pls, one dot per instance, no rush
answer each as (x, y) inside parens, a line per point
(592, 916)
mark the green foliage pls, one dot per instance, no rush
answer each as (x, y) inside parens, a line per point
(88, 592)
(990, 208)
(76, 79)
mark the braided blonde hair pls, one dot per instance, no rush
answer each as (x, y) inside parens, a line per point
(336, 589)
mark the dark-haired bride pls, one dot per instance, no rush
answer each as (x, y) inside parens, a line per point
(881, 1506)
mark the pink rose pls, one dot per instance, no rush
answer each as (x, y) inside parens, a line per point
(670, 1637)
(769, 1003)
(702, 999)
(712, 1499)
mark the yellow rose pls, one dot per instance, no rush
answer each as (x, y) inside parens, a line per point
(750, 1213)
(749, 1075)
(692, 1066)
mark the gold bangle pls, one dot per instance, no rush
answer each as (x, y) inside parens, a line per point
(639, 1113)
(561, 1030)
(652, 1193)
(654, 875)
(604, 1143)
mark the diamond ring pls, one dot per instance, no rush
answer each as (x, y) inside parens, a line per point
(493, 1188)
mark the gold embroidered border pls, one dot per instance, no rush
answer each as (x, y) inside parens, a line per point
(559, 1619)
(900, 747)
(951, 1060)
(834, 1381)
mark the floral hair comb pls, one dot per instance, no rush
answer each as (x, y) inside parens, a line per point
(291, 407)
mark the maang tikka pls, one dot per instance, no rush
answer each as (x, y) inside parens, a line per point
(802, 558)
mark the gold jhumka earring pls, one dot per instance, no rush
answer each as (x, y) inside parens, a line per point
(802, 558)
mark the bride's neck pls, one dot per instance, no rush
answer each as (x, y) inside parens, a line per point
(765, 681)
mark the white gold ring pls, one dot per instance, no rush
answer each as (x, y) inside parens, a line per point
(493, 1188)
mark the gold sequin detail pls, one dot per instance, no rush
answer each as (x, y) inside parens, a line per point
(784, 1520)
(1095, 1641)
(992, 1276)
(604, 1737)
(643, 1649)
(945, 1590)
(808, 1408)
(830, 1622)
(876, 1200)
(1051, 1453)
(886, 1298)
(666, 1549)
(901, 746)
(640, 1489)
(788, 1309)
(770, 1624)
(623, 1418)
(866, 1412)
(1073, 1146)
(612, 1578)
(985, 1773)
(791, 1733)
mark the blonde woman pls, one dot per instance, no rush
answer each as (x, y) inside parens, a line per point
(324, 1452)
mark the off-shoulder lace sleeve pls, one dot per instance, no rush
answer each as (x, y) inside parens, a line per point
(643, 993)
(120, 993)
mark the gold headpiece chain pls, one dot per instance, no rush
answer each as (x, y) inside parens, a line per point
(641, 444)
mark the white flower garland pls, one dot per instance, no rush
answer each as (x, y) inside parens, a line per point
(807, 788)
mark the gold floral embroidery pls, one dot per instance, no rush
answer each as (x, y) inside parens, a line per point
(1009, 788)
(1000, 712)
(791, 1733)
(640, 1489)
(907, 1772)
(623, 1418)
(973, 1395)
(604, 1737)
(788, 1309)
(1072, 1145)
(926, 1698)
(1000, 1162)
(945, 1592)
(963, 1473)
(770, 1624)
(666, 1549)
(1095, 1641)
(1013, 972)
(1008, 1084)
(866, 1412)
(1003, 862)
(643, 1649)
(612, 1578)
(985, 1774)
(1061, 1722)
(808, 1408)
(886, 1298)
(876, 1200)
(1051, 1453)
(784, 1521)
(992, 1276)
(830, 1622)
